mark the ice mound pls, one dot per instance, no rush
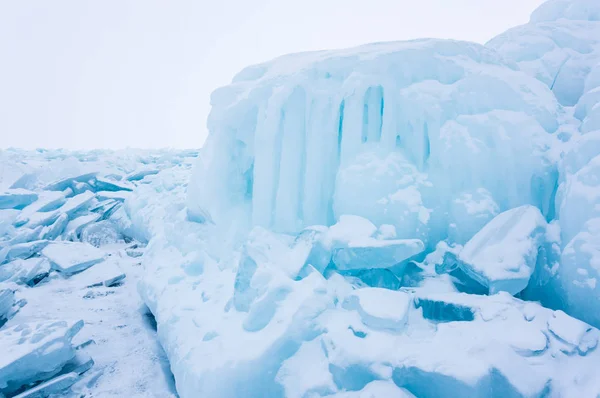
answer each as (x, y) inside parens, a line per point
(383, 131)
(16, 198)
(34, 352)
(72, 257)
(559, 46)
(502, 256)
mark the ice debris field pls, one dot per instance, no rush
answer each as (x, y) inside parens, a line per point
(408, 219)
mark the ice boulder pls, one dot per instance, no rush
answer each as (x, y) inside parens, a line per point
(381, 309)
(503, 255)
(16, 198)
(35, 352)
(72, 257)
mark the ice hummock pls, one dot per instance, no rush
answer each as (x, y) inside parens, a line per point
(502, 256)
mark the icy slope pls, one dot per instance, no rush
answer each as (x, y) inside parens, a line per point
(394, 132)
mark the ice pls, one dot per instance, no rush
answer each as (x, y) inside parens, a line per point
(100, 233)
(7, 301)
(573, 332)
(46, 202)
(53, 231)
(384, 131)
(579, 274)
(502, 256)
(559, 46)
(300, 381)
(114, 195)
(22, 250)
(140, 174)
(35, 352)
(54, 386)
(70, 182)
(381, 308)
(16, 198)
(27, 272)
(72, 257)
(76, 203)
(75, 226)
(373, 253)
(104, 184)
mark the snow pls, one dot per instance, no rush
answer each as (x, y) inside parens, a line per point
(72, 257)
(503, 254)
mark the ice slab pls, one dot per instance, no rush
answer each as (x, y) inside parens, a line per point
(52, 232)
(35, 352)
(373, 253)
(72, 257)
(17, 198)
(120, 196)
(140, 174)
(381, 309)
(502, 256)
(46, 202)
(7, 301)
(26, 272)
(75, 226)
(576, 334)
(76, 203)
(22, 250)
(51, 387)
(70, 182)
(104, 184)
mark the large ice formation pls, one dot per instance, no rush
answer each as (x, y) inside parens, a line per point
(394, 132)
(359, 221)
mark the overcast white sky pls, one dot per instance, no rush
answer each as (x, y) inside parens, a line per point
(139, 73)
